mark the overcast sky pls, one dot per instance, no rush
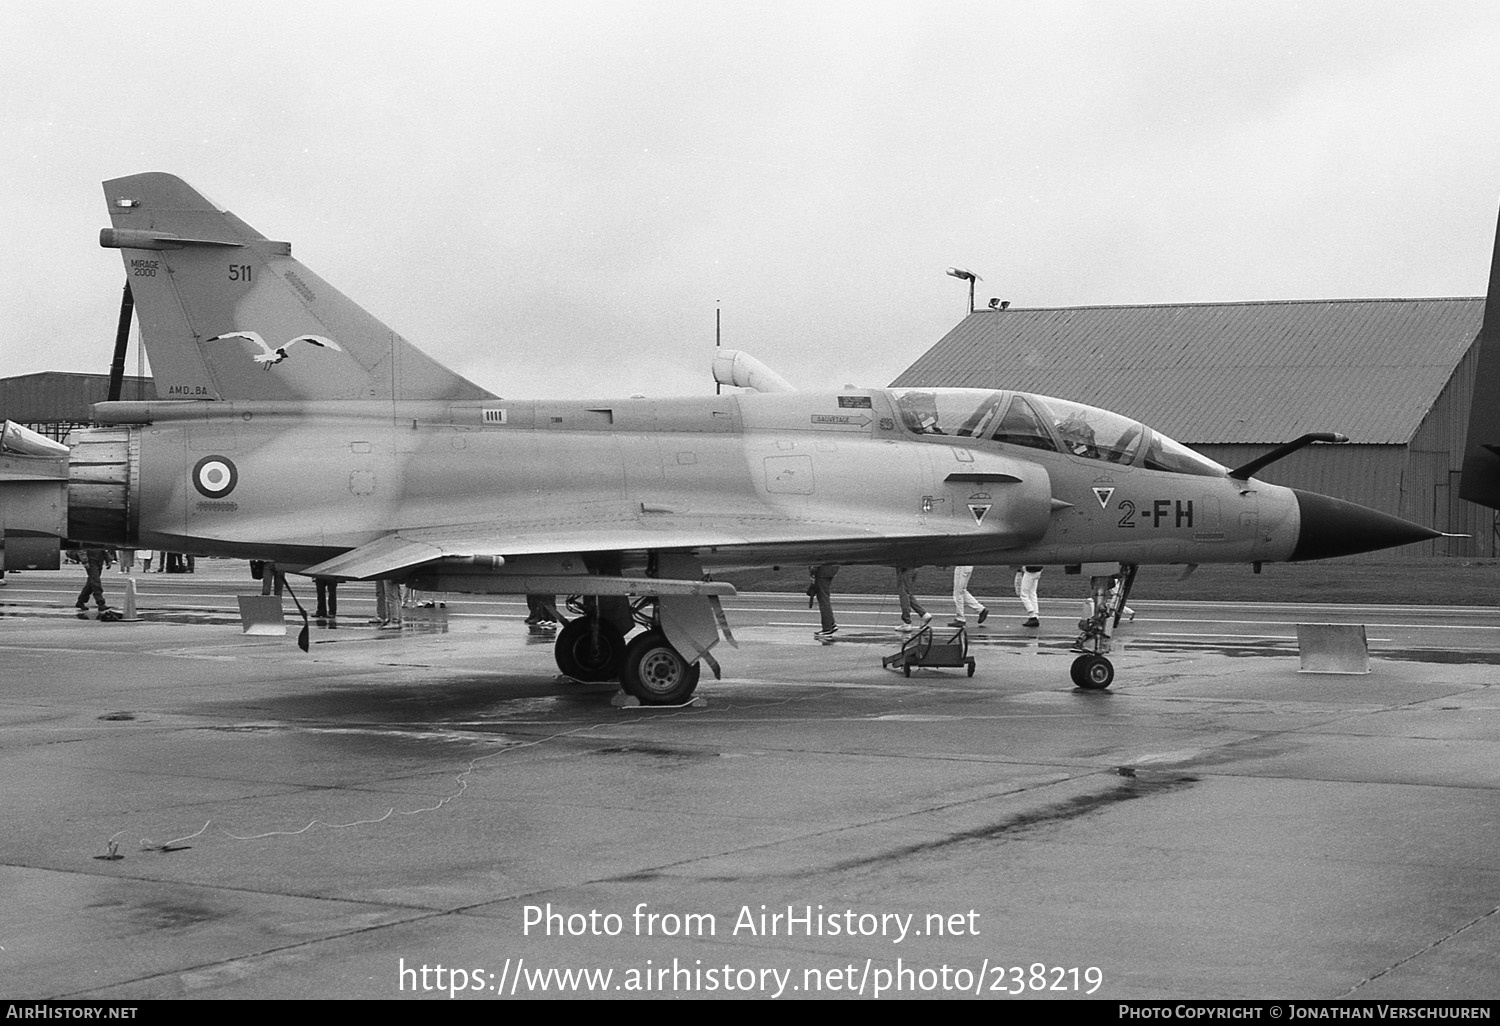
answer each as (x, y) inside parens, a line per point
(552, 198)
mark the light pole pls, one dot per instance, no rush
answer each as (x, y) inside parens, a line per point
(970, 277)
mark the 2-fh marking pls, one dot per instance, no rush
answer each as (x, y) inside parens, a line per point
(1178, 513)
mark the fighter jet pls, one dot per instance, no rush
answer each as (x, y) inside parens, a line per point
(362, 459)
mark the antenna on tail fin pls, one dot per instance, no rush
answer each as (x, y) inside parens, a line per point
(220, 306)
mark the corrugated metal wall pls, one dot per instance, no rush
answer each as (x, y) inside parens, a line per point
(1439, 443)
(57, 397)
(1418, 481)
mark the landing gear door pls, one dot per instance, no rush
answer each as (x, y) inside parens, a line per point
(689, 624)
(687, 620)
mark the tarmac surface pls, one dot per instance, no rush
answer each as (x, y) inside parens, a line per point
(344, 822)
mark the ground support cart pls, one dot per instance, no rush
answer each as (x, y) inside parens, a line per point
(926, 649)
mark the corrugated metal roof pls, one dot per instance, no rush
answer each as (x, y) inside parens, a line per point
(1222, 372)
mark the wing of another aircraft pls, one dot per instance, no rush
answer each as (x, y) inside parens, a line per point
(1480, 483)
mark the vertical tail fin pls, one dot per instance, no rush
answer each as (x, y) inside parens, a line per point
(226, 313)
(1480, 483)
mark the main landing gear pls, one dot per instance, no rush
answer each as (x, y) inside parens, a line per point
(592, 648)
(1092, 670)
(655, 672)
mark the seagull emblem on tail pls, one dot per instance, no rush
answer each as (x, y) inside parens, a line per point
(270, 357)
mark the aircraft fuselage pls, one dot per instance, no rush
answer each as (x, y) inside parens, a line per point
(785, 477)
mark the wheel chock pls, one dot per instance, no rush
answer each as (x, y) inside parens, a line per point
(262, 615)
(1333, 648)
(128, 614)
(621, 700)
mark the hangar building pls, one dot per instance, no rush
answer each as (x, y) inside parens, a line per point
(1233, 380)
(56, 402)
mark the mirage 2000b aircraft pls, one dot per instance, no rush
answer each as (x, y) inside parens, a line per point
(298, 428)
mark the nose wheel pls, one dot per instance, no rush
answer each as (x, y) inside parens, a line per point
(1092, 672)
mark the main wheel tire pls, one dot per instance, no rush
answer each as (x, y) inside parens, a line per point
(590, 650)
(1092, 672)
(656, 673)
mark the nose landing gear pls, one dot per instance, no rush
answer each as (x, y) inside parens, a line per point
(1092, 670)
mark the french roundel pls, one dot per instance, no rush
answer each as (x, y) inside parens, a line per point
(215, 476)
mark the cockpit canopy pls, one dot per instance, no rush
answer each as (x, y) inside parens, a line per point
(1042, 422)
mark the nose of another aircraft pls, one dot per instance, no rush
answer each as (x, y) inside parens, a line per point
(1333, 527)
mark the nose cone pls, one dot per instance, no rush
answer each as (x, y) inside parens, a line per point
(1333, 527)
